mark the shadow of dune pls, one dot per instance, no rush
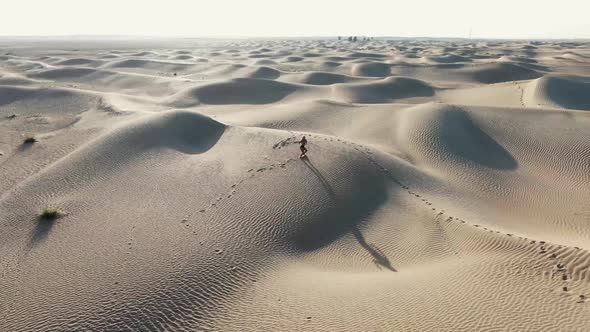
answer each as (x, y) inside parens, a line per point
(184, 131)
(344, 213)
(188, 132)
(567, 92)
(243, 91)
(10, 94)
(465, 139)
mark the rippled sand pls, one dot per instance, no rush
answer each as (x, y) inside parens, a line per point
(446, 186)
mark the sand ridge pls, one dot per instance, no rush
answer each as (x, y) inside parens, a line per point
(445, 187)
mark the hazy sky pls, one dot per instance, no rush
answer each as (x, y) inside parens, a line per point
(235, 18)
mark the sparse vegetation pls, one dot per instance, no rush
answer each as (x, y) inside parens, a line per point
(11, 116)
(30, 140)
(50, 213)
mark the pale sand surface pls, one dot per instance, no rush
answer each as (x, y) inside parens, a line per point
(447, 186)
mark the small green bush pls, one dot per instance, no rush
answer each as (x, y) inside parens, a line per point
(30, 140)
(50, 213)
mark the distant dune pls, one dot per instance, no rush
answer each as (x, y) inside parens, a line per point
(567, 92)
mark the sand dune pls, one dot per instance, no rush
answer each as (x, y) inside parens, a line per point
(446, 59)
(372, 69)
(453, 138)
(261, 72)
(71, 73)
(499, 72)
(446, 186)
(13, 80)
(238, 91)
(100, 79)
(322, 78)
(183, 57)
(31, 100)
(150, 65)
(383, 91)
(79, 62)
(562, 92)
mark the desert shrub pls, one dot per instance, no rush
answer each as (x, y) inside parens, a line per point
(30, 140)
(50, 213)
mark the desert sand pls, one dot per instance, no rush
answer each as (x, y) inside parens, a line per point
(446, 188)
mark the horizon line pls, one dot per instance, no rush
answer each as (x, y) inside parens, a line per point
(229, 37)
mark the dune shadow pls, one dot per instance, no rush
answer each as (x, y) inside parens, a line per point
(244, 91)
(10, 94)
(568, 93)
(343, 216)
(464, 138)
(184, 131)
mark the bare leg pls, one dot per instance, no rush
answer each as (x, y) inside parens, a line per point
(303, 152)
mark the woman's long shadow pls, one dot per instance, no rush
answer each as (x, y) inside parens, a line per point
(320, 177)
(378, 256)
